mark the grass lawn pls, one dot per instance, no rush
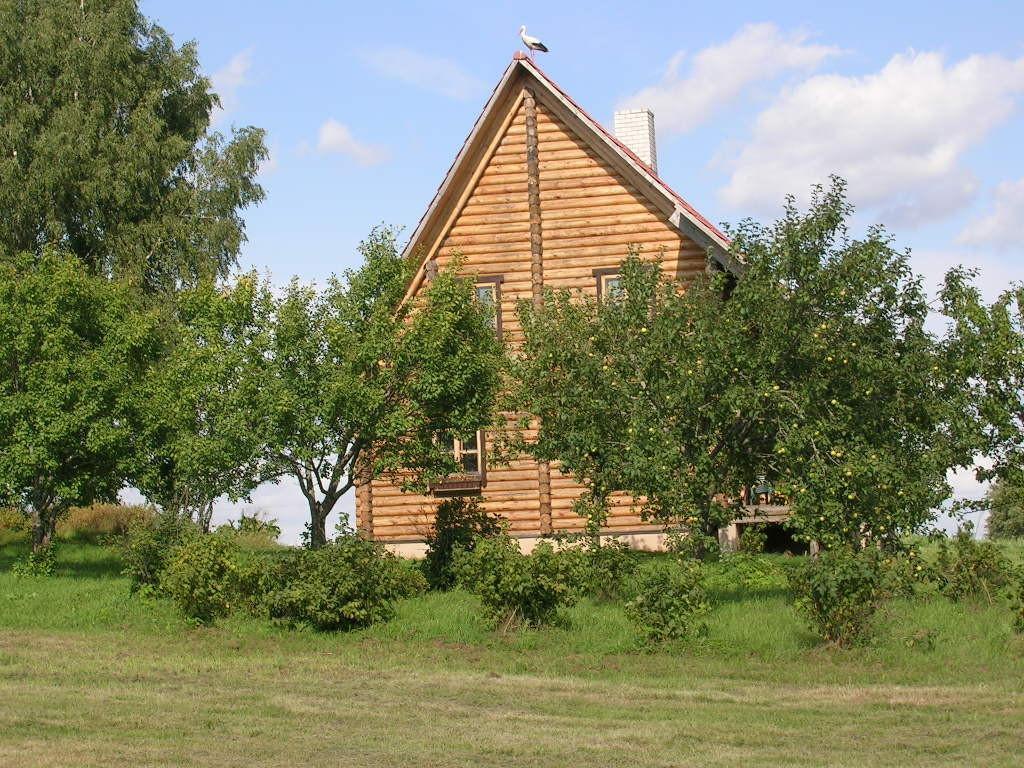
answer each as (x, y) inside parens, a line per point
(90, 676)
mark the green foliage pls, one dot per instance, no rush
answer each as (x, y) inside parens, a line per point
(601, 570)
(839, 592)
(670, 601)
(1006, 511)
(40, 561)
(253, 528)
(748, 572)
(409, 578)
(985, 351)
(692, 543)
(921, 639)
(106, 150)
(260, 573)
(752, 539)
(201, 577)
(969, 569)
(1017, 603)
(359, 382)
(147, 545)
(813, 369)
(515, 589)
(904, 570)
(611, 565)
(346, 584)
(74, 349)
(201, 416)
(458, 522)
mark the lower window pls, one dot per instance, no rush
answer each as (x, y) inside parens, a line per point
(468, 454)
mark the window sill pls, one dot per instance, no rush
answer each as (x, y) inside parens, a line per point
(459, 485)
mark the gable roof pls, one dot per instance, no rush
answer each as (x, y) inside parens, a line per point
(520, 72)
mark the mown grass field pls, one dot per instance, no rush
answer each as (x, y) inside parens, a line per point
(91, 676)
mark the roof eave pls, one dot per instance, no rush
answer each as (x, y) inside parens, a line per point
(684, 217)
(467, 145)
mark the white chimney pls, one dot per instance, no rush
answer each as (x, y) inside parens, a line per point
(635, 129)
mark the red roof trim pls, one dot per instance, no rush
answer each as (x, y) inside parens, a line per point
(624, 149)
(529, 65)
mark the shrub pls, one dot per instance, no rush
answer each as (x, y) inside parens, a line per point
(147, 544)
(14, 521)
(410, 580)
(40, 562)
(598, 569)
(458, 523)
(839, 592)
(14, 525)
(255, 530)
(260, 574)
(99, 521)
(515, 589)
(670, 600)
(348, 583)
(967, 568)
(903, 571)
(201, 576)
(690, 543)
(752, 539)
(612, 566)
(1018, 604)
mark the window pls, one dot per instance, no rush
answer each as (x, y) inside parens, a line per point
(488, 293)
(609, 283)
(468, 454)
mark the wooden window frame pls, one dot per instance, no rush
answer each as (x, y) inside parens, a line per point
(465, 483)
(601, 275)
(496, 281)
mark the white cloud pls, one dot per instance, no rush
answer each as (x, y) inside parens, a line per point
(1004, 226)
(431, 73)
(226, 82)
(897, 135)
(994, 273)
(720, 73)
(336, 138)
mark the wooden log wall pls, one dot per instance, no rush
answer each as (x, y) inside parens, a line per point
(586, 217)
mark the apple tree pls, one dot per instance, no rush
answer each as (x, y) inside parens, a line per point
(75, 347)
(813, 368)
(200, 430)
(361, 381)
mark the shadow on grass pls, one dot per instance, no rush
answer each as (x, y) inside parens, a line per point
(74, 559)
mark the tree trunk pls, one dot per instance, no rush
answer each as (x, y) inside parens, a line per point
(317, 525)
(204, 516)
(44, 524)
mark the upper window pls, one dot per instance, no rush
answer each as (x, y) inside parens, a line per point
(488, 293)
(609, 284)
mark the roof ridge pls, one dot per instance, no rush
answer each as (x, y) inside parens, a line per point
(699, 226)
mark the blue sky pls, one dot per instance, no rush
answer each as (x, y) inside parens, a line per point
(919, 105)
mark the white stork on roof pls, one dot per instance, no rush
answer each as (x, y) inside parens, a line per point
(533, 43)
